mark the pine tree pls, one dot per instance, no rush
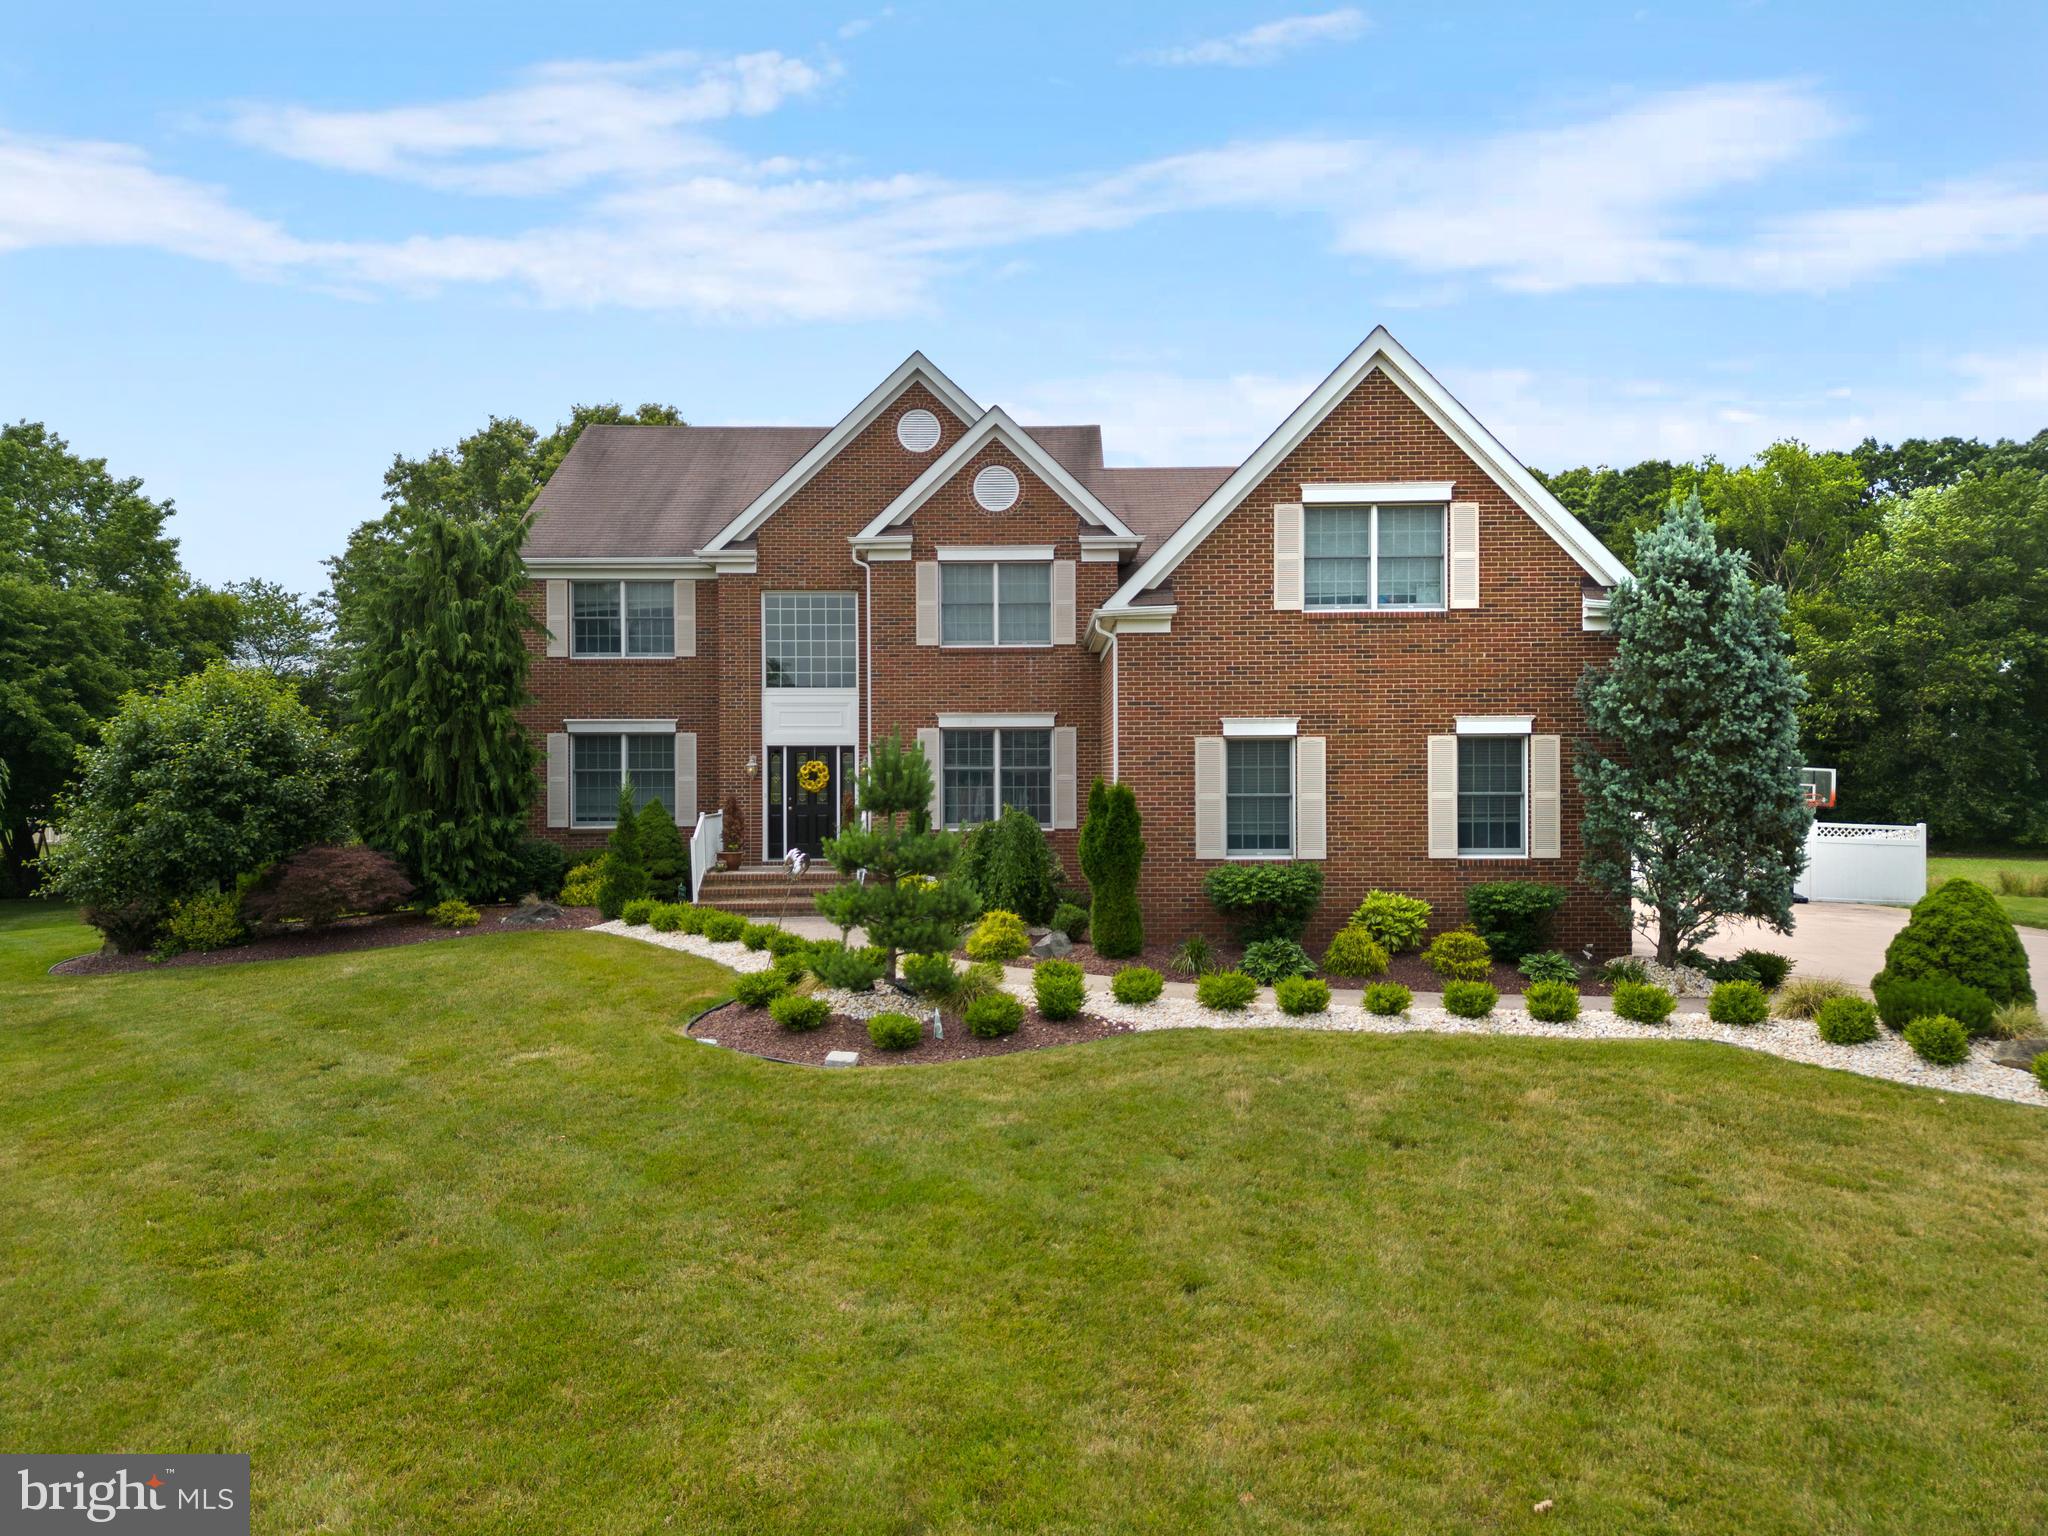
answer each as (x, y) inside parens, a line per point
(625, 875)
(1693, 803)
(906, 904)
(1112, 853)
(661, 849)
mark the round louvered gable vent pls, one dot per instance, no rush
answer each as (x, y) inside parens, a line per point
(996, 488)
(918, 431)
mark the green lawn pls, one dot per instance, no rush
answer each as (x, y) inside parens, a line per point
(466, 1237)
(1984, 868)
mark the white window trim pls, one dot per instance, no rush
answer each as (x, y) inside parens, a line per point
(1262, 855)
(969, 554)
(621, 729)
(1372, 572)
(1248, 728)
(1496, 725)
(978, 723)
(1041, 555)
(621, 654)
(997, 722)
(1496, 856)
(1331, 493)
(767, 687)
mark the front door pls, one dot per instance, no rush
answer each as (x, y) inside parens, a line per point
(812, 780)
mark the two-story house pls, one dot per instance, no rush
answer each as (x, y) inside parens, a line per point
(1359, 646)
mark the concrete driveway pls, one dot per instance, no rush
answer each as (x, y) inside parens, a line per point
(1845, 940)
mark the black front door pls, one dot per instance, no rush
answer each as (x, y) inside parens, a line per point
(811, 779)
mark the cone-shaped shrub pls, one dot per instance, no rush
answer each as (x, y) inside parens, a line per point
(1958, 930)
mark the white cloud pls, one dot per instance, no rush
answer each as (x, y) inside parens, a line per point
(1268, 42)
(1155, 417)
(1834, 247)
(2009, 378)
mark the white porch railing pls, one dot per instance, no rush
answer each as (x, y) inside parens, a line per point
(1864, 861)
(705, 842)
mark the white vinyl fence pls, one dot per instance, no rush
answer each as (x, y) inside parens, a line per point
(1863, 861)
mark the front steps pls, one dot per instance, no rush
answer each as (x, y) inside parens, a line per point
(761, 891)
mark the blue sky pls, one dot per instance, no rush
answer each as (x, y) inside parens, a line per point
(249, 257)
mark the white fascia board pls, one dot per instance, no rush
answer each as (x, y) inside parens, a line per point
(1496, 725)
(981, 554)
(883, 548)
(1352, 493)
(616, 727)
(619, 568)
(1244, 729)
(995, 722)
(1107, 548)
(1152, 619)
(995, 425)
(1380, 351)
(914, 368)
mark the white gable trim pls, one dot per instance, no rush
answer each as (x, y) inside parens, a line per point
(1380, 352)
(915, 368)
(996, 426)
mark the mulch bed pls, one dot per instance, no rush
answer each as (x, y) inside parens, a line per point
(330, 939)
(1407, 969)
(752, 1030)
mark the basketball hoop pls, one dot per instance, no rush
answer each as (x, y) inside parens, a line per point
(1818, 785)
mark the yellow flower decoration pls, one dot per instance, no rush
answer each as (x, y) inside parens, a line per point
(814, 775)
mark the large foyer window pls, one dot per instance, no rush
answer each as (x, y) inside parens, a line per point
(624, 618)
(599, 764)
(985, 771)
(1373, 557)
(995, 603)
(807, 639)
(1492, 786)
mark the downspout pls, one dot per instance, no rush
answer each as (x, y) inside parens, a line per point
(867, 658)
(1115, 716)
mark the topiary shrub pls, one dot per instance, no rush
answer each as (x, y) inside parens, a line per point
(1059, 988)
(1738, 1002)
(1900, 1001)
(1000, 935)
(1071, 920)
(755, 936)
(1469, 999)
(662, 854)
(1270, 960)
(1112, 848)
(1388, 998)
(454, 913)
(1458, 954)
(1302, 995)
(724, 927)
(894, 1031)
(580, 885)
(1136, 984)
(1008, 864)
(1355, 952)
(667, 917)
(1642, 1002)
(1225, 991)
(638, 912)
(1398, 922)
(850, 970)
(930, 976)
(1548, 965)
(994, 1015)
(1514, 916)
(1554, 1002)
(1846, 1020)
(799, 1012)
(199, 924)
(1768, 967)
(1267, 900)
(760, 988)
(323, 883)
(1939, 1039)
(1803, 999)
(1959, 930)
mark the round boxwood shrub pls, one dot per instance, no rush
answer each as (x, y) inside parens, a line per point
(1302, 994)
(800, 1012)
(201, 923)
(1514, 916)
(637, 912)
(1738, 1002)
(1642, 1002)
(691, 918)
(930, 976)
(1959, 930)
(760, 988)
(1458, 954)
(894, 1031)
(1269, 960)
(993, 1015)
(1939, 1039)
(666, 917)
(580, 885)
(1469, 999)
(999, 935)
(1846, 1020)
(724, 927)
(1900, 1001)
(1768, 966)
(454, 913)
(1554, 1002)
(1225, 991)
(1136, 984)
(1397, 922)
(1388, 998)
(1355, 952)
(1059, 988)
(757, 935)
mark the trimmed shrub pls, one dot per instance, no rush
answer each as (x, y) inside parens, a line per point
(1136, 984)
(1549, 965)
(1514, 916)
(1059, 987)
(1959, 930)
(1398, 922)
(1071, 920)
(1469, 999)
(755, 936)
(800, 1012)
(1804, 998)
(1000, 935)
(454, 913)
(580, 885)
(199, 924)
(1193, 958)
(637, 912)
(1009, 865)
(1458, 954)
(1939, 1039)
(724, 927)
(894, 1031)
(1642, 1002)
(1112, 848)
(930, 976)
(667, 917)
(538, 866)
(1355, 952)
(1226, 991)
(662, 854)
(1302, 994)
(1846, 1020)
(760, 988)
(782, 942)
(1768, 966)
(1554, 1002)
(1388, 998)
(1901, 1001)
(325, 882)
(693, 917)
(1270, 960)
(1266, 900)
(1738, 1002)
(994, 1015)
(2016, 1021)
(850, 970)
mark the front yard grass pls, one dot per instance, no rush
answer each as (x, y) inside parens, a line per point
(2030, 911)
(467, 1237)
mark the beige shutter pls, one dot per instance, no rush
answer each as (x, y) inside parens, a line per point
(686, 781)
(1311, 799)
(1464, 554)
(558, 618)
(1063, 786)
(928, 740)
(1546, 784)
(1443, 797)
(1063, 602)
(927, 602)
(1209, 841)
(558, 778)
(1287, 556)
(686, 618)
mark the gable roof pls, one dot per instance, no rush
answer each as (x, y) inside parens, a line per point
(1381, 353)
(914, 368)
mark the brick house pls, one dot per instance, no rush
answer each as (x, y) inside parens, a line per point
(1359, 646)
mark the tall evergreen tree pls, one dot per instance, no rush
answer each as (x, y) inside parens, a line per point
(1693, 803)
(1112, 853)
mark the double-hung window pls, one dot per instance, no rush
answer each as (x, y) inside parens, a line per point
(987, 770)
(623, 618)
(1258, 795)
(996, 602)
(1373, 557)
(807, 639)
(600, 763)
(1493, 785)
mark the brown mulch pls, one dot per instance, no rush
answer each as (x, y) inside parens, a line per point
(752, 1030)
(330, 939)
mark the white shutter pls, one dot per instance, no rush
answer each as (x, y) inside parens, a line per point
(558, 778)
(1063, 602)
(927, 603)
(1311, 799)
(686, 618)
(558, 618)
(1546, 784)
(1464, 554)
(928, 740)
(686, 781)
(1287, 556)
(1209, 841)
(1063, 786)
(1443, 797)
